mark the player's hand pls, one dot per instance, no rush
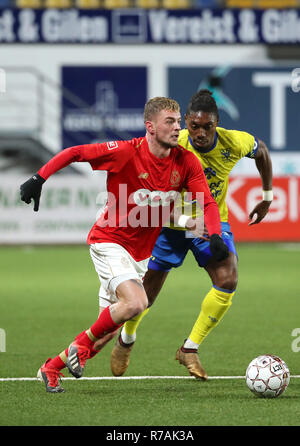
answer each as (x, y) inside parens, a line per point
(32, 189)
(195, 225)
(261, 210)
(218, 248)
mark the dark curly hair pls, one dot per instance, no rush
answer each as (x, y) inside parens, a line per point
(203, 101)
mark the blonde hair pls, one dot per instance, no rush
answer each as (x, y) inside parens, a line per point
(155, 105)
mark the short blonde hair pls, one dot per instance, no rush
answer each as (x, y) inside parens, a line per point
(155, 105)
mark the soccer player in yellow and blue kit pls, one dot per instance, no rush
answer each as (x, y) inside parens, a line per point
(218, 150)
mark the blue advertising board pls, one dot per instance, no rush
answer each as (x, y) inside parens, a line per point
(157, 26)
(102, 103)
(261, 100)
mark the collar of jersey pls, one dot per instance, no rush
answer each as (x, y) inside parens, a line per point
(207, 150)
(154, 157)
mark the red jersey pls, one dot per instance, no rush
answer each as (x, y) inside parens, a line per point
(140, 188)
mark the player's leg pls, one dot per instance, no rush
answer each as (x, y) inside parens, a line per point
(121, 279)
(169, 251)
(153, 283)
(215, 305)
(50, 372)
(217, 301)
(132, 300)
(120, 355)
(105, 299)
(103, 340)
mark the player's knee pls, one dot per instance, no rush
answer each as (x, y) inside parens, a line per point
(225, 275)
(227, 278)
(228, 283)
(134, 307)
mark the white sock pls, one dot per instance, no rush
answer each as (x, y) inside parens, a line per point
(126, 338)
(190, 344)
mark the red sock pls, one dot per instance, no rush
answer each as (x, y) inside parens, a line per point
(83, 339)
(56, 363)
(104, 324)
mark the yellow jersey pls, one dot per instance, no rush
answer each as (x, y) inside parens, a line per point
(218, 161)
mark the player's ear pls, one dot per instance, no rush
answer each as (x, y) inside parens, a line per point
(149, 127)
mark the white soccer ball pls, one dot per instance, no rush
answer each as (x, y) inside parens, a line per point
(267, 376)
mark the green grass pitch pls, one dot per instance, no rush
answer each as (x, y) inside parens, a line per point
(49, 294)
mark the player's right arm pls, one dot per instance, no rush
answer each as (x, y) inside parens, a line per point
(105, 156)
(256, 149)
(264, 166)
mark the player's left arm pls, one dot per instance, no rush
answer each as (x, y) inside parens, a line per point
(264, 166)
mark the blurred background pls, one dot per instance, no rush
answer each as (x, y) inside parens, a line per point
(78, 71)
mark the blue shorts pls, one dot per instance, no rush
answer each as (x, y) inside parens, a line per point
(172, 246)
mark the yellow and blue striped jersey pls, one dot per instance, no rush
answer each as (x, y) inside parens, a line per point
(218, 161)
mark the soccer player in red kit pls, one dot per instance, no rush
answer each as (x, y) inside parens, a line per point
(143, 176)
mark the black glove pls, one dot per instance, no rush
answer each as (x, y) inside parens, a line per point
(218, 248)
(32, 189)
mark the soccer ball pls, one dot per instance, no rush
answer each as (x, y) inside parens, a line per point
(267, 376)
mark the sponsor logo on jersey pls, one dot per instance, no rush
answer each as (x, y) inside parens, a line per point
(143, 175)
(209, 173)
(216, 188)
(175, 178)
(132, 210)
(145, 197)
(226, 155)
(112, 145)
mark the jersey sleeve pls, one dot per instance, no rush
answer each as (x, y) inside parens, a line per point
(248, 144)
(253, 150)
(109, 156)
(195, 183)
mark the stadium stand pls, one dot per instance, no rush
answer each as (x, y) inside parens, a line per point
(176, 4)
(58, 3)
(114, 4)
(262, 4)
(148, 4)
(88, 4)
(34, 4)
(27, 112)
